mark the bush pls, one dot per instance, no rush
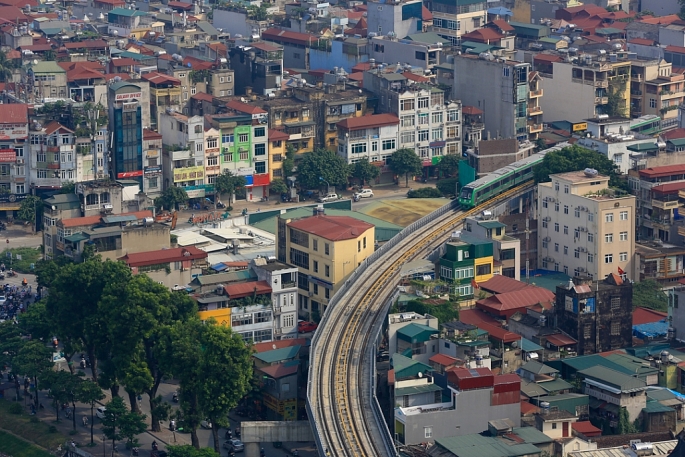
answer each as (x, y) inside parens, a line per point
(425, 192)
(447, 186)
(28, 256)
(15, 408)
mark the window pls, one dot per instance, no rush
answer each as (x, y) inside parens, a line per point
(576, 254)
(590, 258)
(565, 209)
(260, 167)
(436, 118)
(423, 102)
(211, 161)
(587, 331)
(554, 425)
(212, 143)
(590, 217)
(389, 144)
(556, 226)
(615, 303)
(408, 121)
(565, 229)
(609, 238)
(544, 203)
(623, 257)
(199, 147)
(244, 155)
(615, 328)
(576, 233)
(327, 293)
(359, 246)
(227, 138)
(652, 102)
(565, 250)
(545, 244)
(423, 135)
(315, 245)
(577, 212)
(316, 266)
(243, 137)
(41, 157)
(608, 258)
(299, 238)
(591, 237)
(556, 247)
(305, 113)
(609, 217)
(452, 115)
(358, 148)
(483, 270)
(423, 119)
(316, 289)
(408, 137)
(544, 224)
(623, 215)
(260, 149)
(556, 207)
(327, 271)
(19, 189)
(42, 173)
(428, 432)
(623, 236)
(566, 188)
(556, 186)
(407, 104)
(259, 132)
(326, 248)
(436, 134)
(506, 72)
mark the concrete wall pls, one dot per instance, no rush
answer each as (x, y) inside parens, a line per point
(495, 154)
(387, 17)
(674, 37)
(660, 7)
(232, 22)
(557, 105)
(254, 433)
(296, 57)
(335, 58)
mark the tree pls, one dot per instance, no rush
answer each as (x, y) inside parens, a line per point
(447, 186)
(214, 367)
(171, 198)
(624, 425)
(36, 322)
(6, 67)
(445, 312)
(575, 158)
(33, 360)
(649, 294)
(11, 343)
(449, 165)
(289, 161)
(49, 55)
(364, 171)
(278, 186)
(68, 187)
(89, 392)
(63, 388)
(405, 162)
(119, 423)
(30, 208)
(258, 13)
(190, 451)
(139, 316)
(320, 167)
(228, 183)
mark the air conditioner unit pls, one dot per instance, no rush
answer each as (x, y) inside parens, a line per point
(107, 208)
(582, 249)
(20, 161)
(551, 199)
(581, 269)
(277, 331)
(547, 239)
(546, 218)
(311, 294)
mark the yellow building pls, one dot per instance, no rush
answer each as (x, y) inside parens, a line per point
(165, 92)
(277, 149)
(326, 249)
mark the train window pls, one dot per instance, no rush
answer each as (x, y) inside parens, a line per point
(466, 192)
(517, 175)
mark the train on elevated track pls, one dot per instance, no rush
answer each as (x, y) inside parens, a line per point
(493, 184)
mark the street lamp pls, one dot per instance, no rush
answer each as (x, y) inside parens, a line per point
(328, 186)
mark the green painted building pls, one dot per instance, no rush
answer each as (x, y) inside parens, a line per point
(464, 262)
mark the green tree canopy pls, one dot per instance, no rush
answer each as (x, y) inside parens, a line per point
(445, 312)
(278, 186)
(6, 67)
(10, 342)
(321, 166)
(190, 451)
(68, 187)
(171, 198)
(119, 423)
(33, 360)
(63, 387)
(89, 392)
(30, 208)
(405, 162)
(364, 171)
(36, 322)
(449, 165)
(228, 183)
(649, 294)
(574, 158)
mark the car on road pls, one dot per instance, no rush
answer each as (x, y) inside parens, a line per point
(100, 412)
(364, 193)
(206, 424)
(234, 445)
(2, 299)
(329, 197)
(306, 326)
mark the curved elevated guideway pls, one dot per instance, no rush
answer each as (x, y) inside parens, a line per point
(345, 416)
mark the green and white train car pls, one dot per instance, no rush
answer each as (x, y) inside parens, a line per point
(483, 189)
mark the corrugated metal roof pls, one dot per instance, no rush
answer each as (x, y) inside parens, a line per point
(119, 218)
(517, 299)
(614, 378)
(415, 390)
(278, 355)
(333, 228)
(416, 333)
(529, 346)
(656, 407)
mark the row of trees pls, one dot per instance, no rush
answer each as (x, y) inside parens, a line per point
(136, 333)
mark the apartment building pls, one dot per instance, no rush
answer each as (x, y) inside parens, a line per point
(126, 101)
(46, 79)
(466, 262)
(283, 281)
(599, 86)
(257, 67)
(171, 267)
(293, 117)
(615, 388)
(326, 249)
(183, 150)
(401, 18)
(14, 129)
(414, 54)
(165, 94)
(430, 123)
(506, 250)
(451, 20)
(506, 91)
(584, 226)
(655, 89)
(657, 191)
(54, 157)
(373, 138)
(55, 208)
(152, 163)
(277, 152)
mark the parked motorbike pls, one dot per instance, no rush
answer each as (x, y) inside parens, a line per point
(228, 435)
(11, 273)
(220, 205)
(175, 397)
(134, 451)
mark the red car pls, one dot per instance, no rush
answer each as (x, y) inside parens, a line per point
(306, 326)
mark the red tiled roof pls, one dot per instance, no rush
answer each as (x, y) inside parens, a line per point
(13, 54)
(276, 135)
(426, 15)
(646, 316)
(361, 66)
(499, 333)
(181, 5)
(203, 97)
(589, 9)
(499, 284)
(471, 110)
(676, 49)
(363, 122)
(53, 126)
(548, 57)
(285, 36)
(151, 135)
(658, 172)
(358, 77)
(69, 66)
(237, 105)
(670, 188)
(266, 47)
(334, 228)
(280, 370)
(483, 35)
(14, 113)
(503, 25)
(280, 344)
(586, 428)
(87, 44)
(36, 47)
(476, 316)
(414, 77)
(143, 259)
(671, 18)
(642, 41)
(673, 134)
(84, 73)
(92, 220)
(123, 62)
(156, 77)
(560, 340)
(245, 289)
(443, 359)
(355, 15)
(528, 408)
(522, 298)
(13, 14)
(19, 3)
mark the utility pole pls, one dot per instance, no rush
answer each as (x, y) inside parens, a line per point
(528, 241)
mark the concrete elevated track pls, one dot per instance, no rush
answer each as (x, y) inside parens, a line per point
(343, 410)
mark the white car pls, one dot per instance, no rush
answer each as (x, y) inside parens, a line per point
(329, 197)
(100, 412)
(364, 193)
(206, 424)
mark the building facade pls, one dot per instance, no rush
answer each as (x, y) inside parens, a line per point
(125, 102)
(373, 138)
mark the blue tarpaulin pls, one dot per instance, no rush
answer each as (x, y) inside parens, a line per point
(651, 330)
(219, 267)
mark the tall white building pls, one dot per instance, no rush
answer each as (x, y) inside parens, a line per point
(283, 281)
(373, 137)
(584, 227)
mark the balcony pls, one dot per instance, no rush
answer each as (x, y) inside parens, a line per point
(534, 128)
(53, 148)
(534, 110)
(536, 93)
(669, 205)
(601, 100)
(636, 93)
(53, 166)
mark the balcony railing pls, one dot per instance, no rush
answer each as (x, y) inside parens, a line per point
(601, 100)
(534, 128)
(534, 110)
(665, 204)
(536, 93)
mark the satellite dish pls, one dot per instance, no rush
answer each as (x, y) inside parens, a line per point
(274, 346)
(190, 65)
(420, 375)
(515, 344)
(35, 62)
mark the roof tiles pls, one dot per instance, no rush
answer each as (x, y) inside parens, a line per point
(334, 228)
